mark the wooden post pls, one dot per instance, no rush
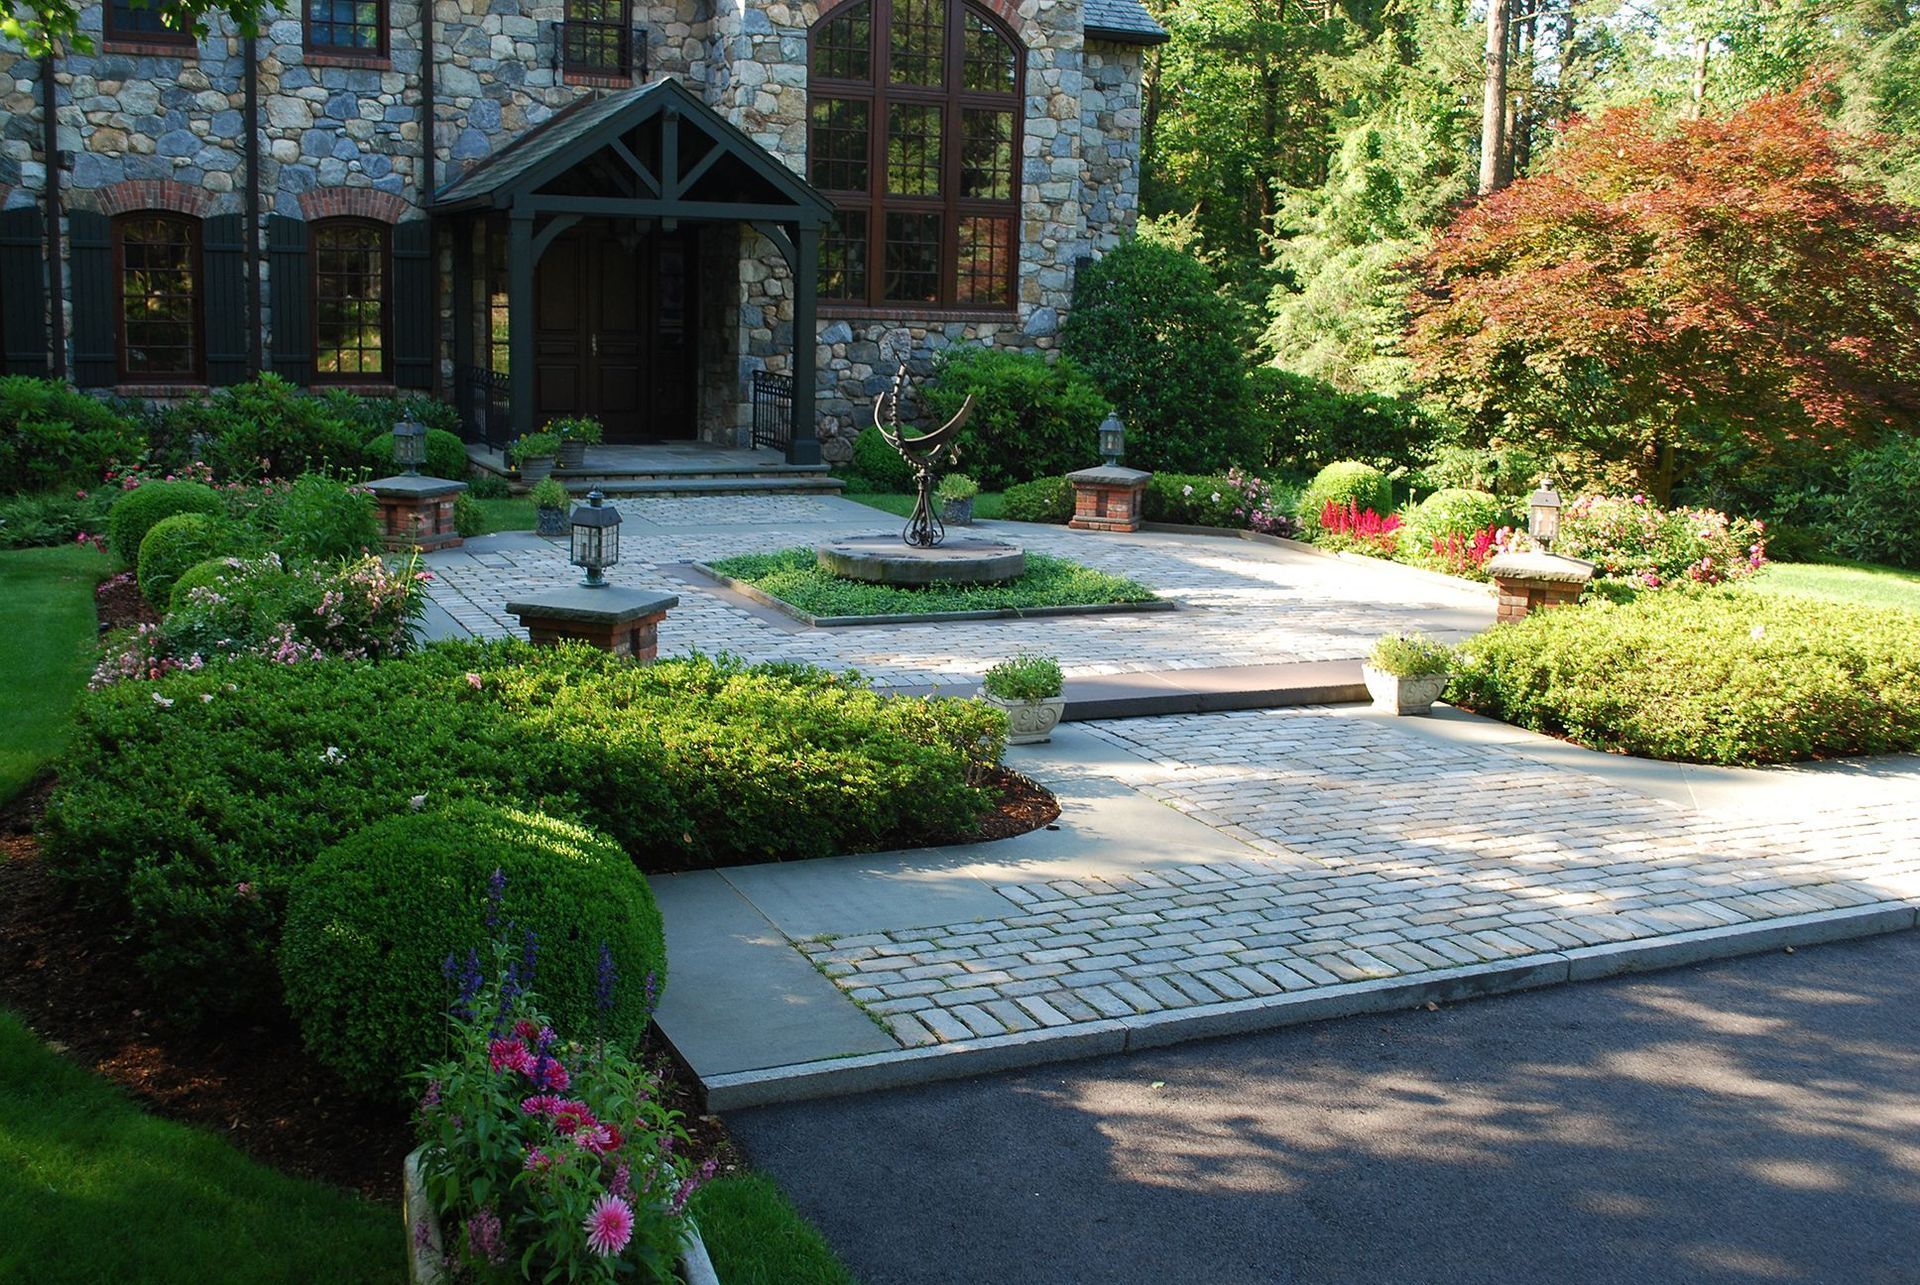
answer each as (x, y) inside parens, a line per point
(520, 323)
(803, 444)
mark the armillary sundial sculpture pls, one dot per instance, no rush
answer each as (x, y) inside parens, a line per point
(926, 453)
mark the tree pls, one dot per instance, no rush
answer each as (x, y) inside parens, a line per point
(38, 26)
(1660, 294)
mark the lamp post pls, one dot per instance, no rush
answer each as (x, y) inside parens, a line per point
(410, 445)
(1543, 514)
(596, 539)
(1113, 438)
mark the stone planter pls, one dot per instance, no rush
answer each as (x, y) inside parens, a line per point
(957, 512)
(572, 453)
(550, 521)
(1395, 695)
(1028, 722)
(535, 467)
(426, 1251)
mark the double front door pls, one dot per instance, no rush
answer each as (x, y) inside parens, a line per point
(613, 331)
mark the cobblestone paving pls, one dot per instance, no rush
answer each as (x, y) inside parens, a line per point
(1370, 855)
(1243, 603)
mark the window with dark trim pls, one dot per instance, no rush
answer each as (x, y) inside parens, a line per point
(596, 39)
(914, 114)
(140, 23)
(347, 26)
(352, 276)
(161, 318)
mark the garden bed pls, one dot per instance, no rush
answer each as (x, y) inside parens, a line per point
(793, 581)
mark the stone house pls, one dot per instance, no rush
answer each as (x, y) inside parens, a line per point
(639, 203)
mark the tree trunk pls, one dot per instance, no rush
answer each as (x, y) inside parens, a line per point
(1493, 109)
(1697, 98)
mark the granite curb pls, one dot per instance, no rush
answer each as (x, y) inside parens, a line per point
(833, 1077)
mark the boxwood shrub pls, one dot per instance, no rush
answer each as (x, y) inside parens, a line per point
(1453, 511)
(135, 513)
(187, 806)
(1045, 499)
(446, 455)
(178, 543)
(1031, 417)
(1704, 676)
(371, 922)
(1342, 482)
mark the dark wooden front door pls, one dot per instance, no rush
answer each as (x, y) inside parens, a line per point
(612, 334)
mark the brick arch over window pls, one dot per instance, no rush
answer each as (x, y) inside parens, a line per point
(153, 194)
(1005, 10)
(352, 203)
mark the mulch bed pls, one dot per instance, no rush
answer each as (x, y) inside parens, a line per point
(121, 605)
(1020, 805)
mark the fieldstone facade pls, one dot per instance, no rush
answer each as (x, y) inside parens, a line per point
(318, 134)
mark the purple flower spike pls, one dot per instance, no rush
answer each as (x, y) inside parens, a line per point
(609, 979)
(496, 894)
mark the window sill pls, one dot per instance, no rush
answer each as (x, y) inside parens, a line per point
(150, 48)
(597, 80)
(346, 58)
(839, 311)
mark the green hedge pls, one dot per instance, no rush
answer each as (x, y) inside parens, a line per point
(1343, 482)
(165, 810)
(446, 455)
(1705, 676)
(1031, 417)
(176, 544)
(1453, 511)
(371, 921)
(54, 436)
(1045, 499)
(879, 465)
(1301, 424)
(136, 512)
(265, 427)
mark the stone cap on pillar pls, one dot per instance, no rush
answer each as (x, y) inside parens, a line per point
(1109, 475)
(411, 486)
(1541, 568)
(607, 605)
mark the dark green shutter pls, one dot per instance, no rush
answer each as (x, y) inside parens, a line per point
(413, 304)
(94, 299)
(287, 278)
(223, 257)
(23, 292)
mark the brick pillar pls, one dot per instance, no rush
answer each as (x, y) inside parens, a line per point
(1107, 498)
(1528, 582)
(417, 512)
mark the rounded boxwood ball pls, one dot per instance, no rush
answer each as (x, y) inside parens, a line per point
(178, 543)
(1343, 482)
(201, 575)
(446, 455)
(1454, 511)
(134, 514)
(371, 922)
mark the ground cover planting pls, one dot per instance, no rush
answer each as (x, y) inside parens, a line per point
(793, 576)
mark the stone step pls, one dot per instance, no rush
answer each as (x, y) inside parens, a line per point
(735, 484)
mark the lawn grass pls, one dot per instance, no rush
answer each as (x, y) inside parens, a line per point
(987, 505)
(756, 1238)
(47, 632)
(793, 576)
(515, 513)
(1855, 582)
(94, 1189)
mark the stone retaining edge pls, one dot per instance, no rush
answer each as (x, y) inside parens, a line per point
(833, 1077)
(766, 599)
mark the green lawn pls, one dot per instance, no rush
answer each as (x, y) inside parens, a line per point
(755, 1237)
(987, 505)
(47, 633)
(1855, 582)
(515, 513)
(94, 1189)
(793, 576)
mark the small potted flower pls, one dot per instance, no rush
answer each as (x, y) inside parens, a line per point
(1027, 689)
(576, 434)
(1406, 673)
(955, 493)
(549, 507)
(533, 455)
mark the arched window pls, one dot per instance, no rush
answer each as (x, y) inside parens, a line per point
(162, 335)
(350, 291)
(915, 110)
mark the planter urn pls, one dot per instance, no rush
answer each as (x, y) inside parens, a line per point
(535, 467)
(957, 512)
(550, 521)
(1393, 694)
(1028, 722)
(573, 453)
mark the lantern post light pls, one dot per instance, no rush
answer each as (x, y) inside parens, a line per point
(1543, 514)
(1113, 439)
(596, 539)
(410, 445)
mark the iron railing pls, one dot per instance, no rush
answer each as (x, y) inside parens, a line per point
(772, 409)
(588, 47)
(486, 403)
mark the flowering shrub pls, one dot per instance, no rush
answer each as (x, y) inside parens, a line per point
(547, 1158)
(1467, 555)
(1635, 541)
(1235, 499)
(1351, 528)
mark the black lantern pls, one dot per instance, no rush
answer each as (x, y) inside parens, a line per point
(410, 444)
(1543, 514)
(1113, 438)
(596, 539)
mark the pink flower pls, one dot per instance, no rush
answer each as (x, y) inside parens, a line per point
(537, 1160)
(483, 1237)
(540, 1104)
(571, 1116)
(609, 1226)
(509, 1055)
(551, 1075)
(473, 681)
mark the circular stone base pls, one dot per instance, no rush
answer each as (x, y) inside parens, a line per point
(884, 559)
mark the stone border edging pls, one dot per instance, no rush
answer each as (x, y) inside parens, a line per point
(866, 1072)
(1302, 546)
(766, 599)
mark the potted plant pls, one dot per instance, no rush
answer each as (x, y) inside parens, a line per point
(1406, 673)
(1027, 690)
(533, 455)
(955, 493)
(576, 434)
(549, 506)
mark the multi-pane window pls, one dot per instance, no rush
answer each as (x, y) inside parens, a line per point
(347, 26)
(915, 133)
(349, 300)
(596, 39)
(126, 20)
(160, 308)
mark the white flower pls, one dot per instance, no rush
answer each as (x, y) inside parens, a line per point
(206, 698)
(417, 802)
(164, 702)
(1187, 489)
(333, 754)
(1757, 632)
(1216, 497)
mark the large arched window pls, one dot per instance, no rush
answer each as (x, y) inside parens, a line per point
(162, 334)
(350, 289)
(915, 113)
